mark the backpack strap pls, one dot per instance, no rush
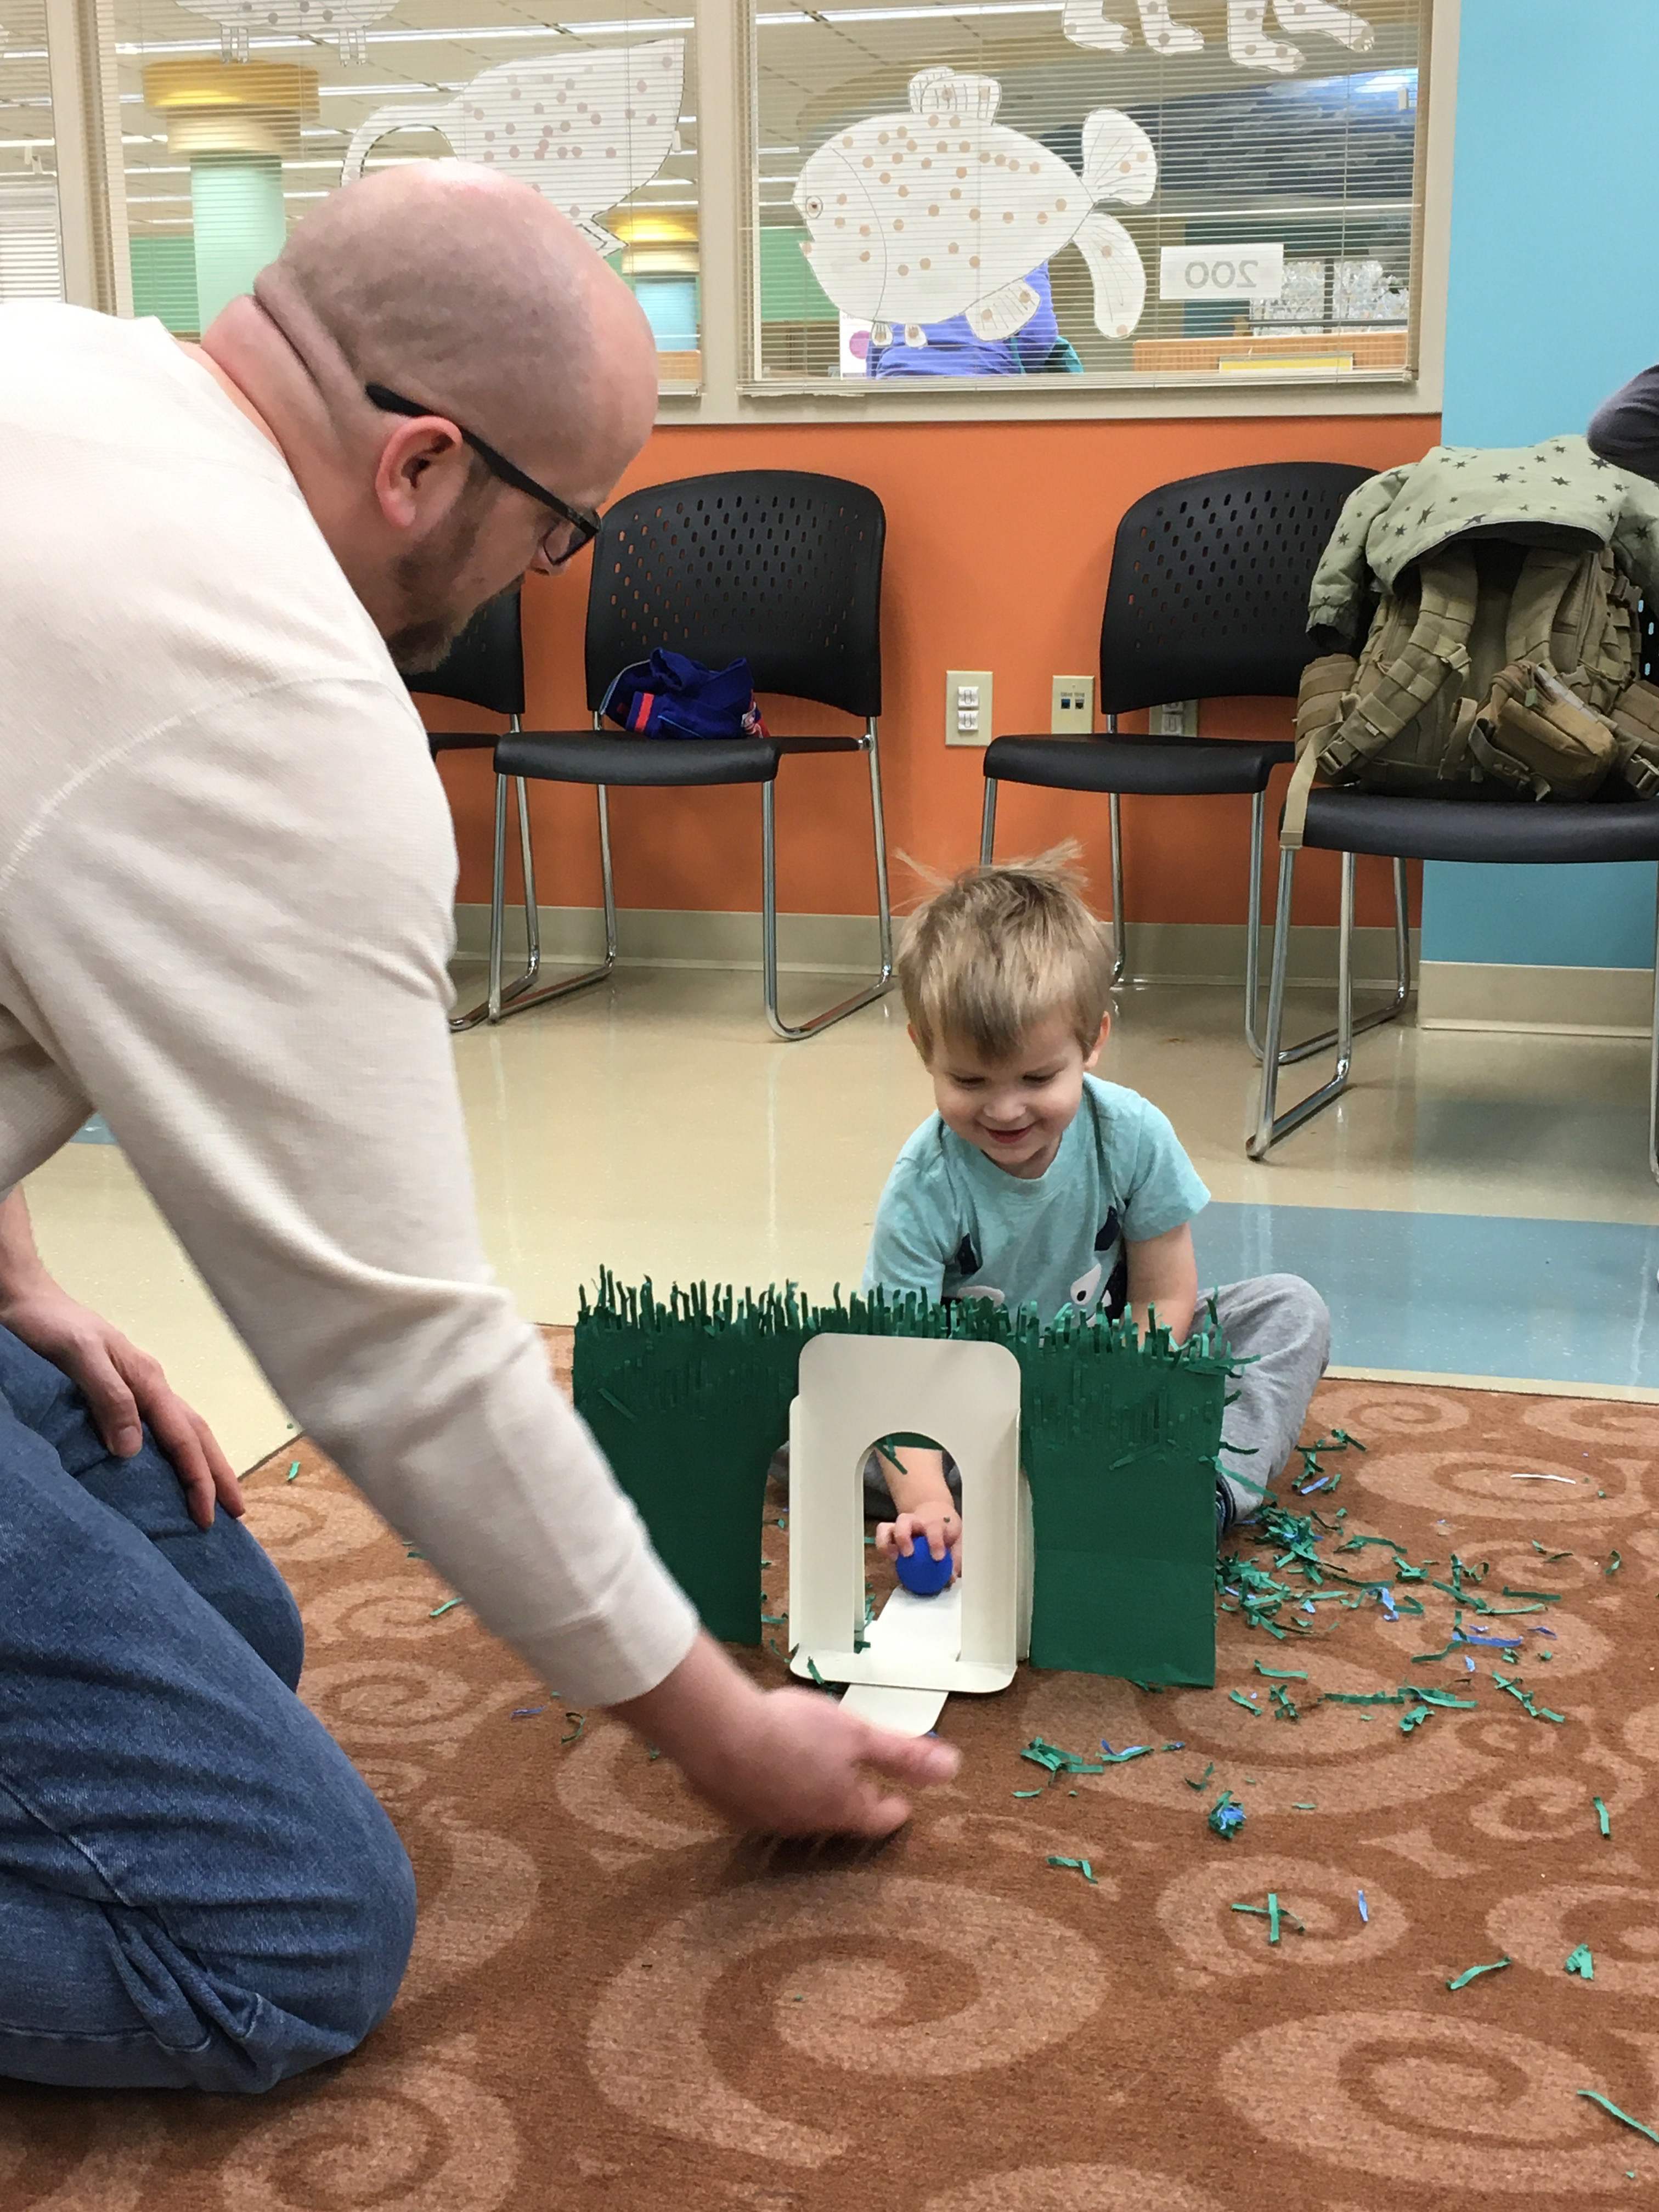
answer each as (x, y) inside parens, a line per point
(1436, 653)
(1635, 716)
(1548, 574)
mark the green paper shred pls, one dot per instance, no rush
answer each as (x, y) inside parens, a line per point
(574, 1736)
(1414, 1719)
(1076, 1866)
(1549, 1597)
(293, 1472)
(1202, 1778)
(1614, 1563)
(1370, 1698)
(438, 1611)
(1582, 1962)
(1028, 1793)
(1446, 1698)
(1305, 1809)
(1602, 1821)
(1281, 1673)
(1474, 1973)
(1284, 1705)
(1548, 1558)
(1239, 1698)
(1272, 1916)
(1050, 1757)
(1596, 2098)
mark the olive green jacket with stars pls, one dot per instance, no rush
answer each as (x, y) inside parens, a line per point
(1400, 516)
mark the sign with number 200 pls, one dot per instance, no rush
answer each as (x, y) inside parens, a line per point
(1221, 272)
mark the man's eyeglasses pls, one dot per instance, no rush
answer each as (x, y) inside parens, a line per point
(577, 526)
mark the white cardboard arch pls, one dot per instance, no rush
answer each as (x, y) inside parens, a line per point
(852, 1390)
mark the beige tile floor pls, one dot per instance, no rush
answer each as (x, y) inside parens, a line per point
(656, 1127)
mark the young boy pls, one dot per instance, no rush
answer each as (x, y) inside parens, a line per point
(1035, 1183)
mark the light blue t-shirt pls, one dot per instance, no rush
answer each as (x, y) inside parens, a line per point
(954, 1224)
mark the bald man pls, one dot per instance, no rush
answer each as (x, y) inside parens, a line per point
(225, 878)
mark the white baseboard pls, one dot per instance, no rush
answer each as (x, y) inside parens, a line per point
(842, 944)
(1471, 994)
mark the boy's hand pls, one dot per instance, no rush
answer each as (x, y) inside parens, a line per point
(936, 1525)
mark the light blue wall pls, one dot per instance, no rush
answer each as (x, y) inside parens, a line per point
(1554, 302)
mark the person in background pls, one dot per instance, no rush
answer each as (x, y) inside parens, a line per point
(952, 348)
(1625, 429)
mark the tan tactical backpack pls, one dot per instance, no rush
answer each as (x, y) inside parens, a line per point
(1497, 667)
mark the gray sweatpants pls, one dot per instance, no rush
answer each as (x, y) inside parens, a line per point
(1282, 1327)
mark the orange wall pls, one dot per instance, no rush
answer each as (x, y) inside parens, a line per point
(999, 542)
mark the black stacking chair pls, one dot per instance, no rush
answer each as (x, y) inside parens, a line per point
(485, 667)
(1208, 598)
(779, 569)
(1350, 822)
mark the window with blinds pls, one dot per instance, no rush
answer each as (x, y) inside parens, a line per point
(31, 243)
(238, 114)
(1137, 191)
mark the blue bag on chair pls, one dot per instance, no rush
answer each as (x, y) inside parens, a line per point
(672, 696)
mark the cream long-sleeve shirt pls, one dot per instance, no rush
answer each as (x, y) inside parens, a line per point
(225, 878)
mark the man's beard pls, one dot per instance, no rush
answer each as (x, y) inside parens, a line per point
(433, 618)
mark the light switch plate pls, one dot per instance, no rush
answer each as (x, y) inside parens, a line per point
(968, 707)
(1072, 706)
(1178, 719)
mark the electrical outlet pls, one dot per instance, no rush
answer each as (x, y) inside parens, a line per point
(1178, 719)
(968, 707)
(1072, 706)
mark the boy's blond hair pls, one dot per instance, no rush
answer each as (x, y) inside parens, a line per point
(1001, 949)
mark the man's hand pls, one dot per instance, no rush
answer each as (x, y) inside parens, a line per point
(782, 1762)
(125, 1389)
(936, 1524)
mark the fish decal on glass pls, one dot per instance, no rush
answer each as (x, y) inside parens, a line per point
(1086, 23)
(586, 128)
(344, 21)
(945, 211)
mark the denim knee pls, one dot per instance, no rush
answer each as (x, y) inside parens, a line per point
(260, 1607)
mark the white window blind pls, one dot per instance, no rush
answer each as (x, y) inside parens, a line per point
(238, 114)
(31, 244)
(1133, 191)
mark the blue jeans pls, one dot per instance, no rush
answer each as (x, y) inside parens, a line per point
(197, 1888)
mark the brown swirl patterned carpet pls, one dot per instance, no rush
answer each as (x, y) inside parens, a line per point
(612, 2005)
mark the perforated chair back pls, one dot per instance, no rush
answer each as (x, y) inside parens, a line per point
(485, 665)
(1208, 594)
(771, 566)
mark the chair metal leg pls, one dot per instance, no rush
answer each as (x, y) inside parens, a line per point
(1272, 1126)
(1399, 997)
(1119, 955)
(488, 1007)
(518, 998)
(770, 908)
(1253, 925)
(988, 822)
(532, 920)
(1653, 1064)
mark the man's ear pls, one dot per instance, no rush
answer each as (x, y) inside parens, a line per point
(415, 461)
